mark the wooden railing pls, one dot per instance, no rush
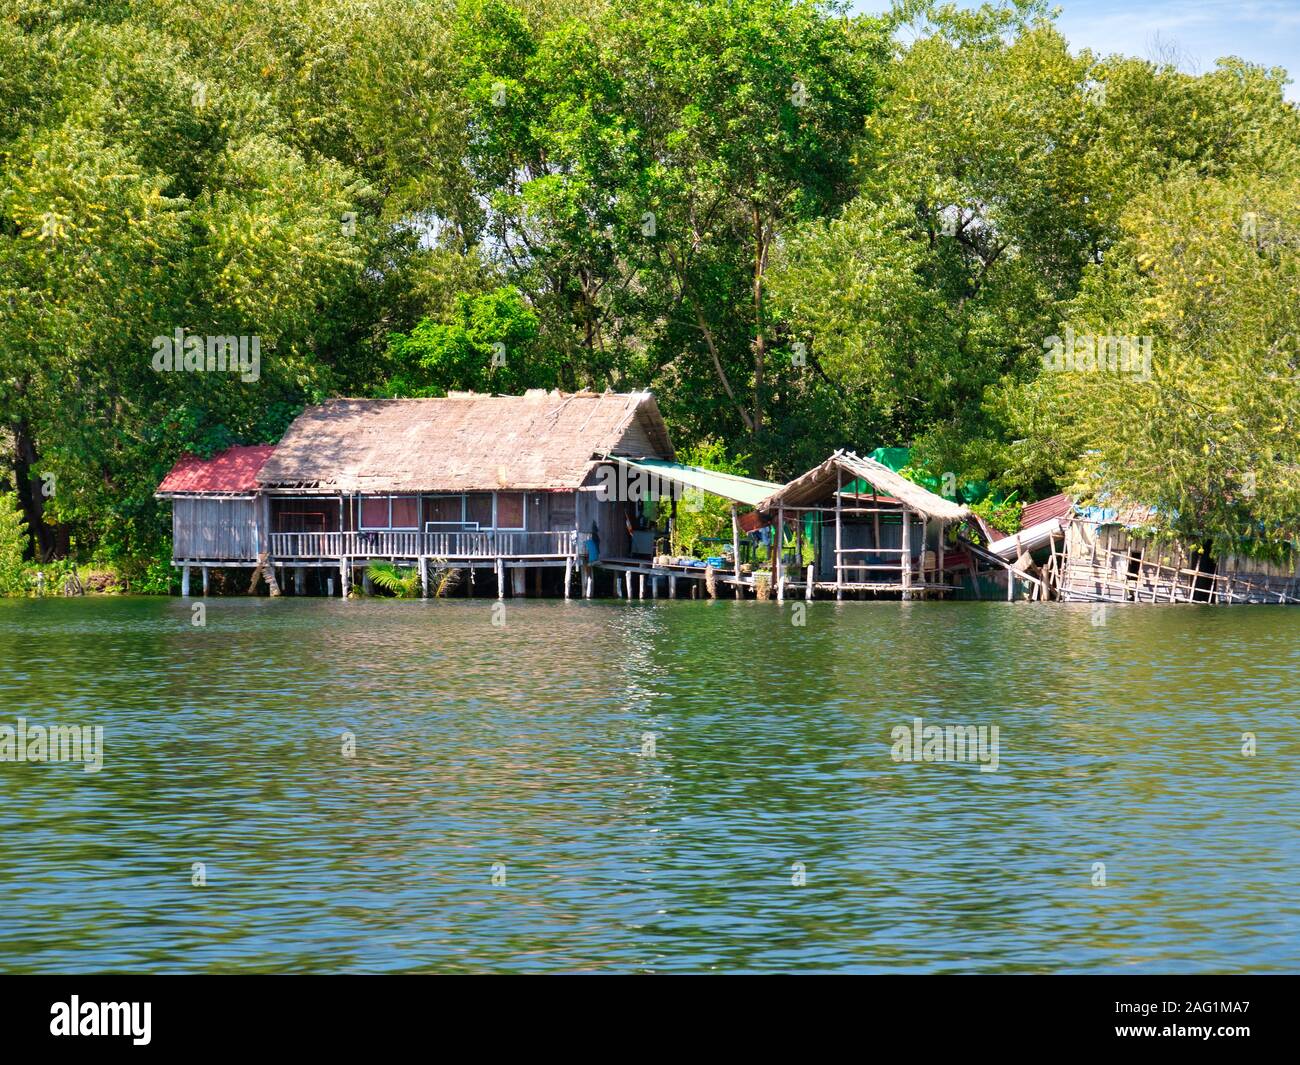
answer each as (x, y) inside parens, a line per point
(390, 544)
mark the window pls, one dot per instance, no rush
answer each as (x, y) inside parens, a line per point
(405, 512)
(510, 510)
(390, 512)
(374, 512)
(442, 512)
(478, 509)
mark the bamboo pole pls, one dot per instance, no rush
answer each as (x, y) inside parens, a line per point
(905, 558)
(839, 532)
(735, 540)
(939, 557)
(778, 567)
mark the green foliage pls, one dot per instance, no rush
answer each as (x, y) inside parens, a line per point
(489, 345)
(1002, 514)
(1209, 269)
(802, 229)
(13, 545)
(396, 581)
(699, 515)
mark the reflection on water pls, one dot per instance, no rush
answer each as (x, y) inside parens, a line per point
(521, 745)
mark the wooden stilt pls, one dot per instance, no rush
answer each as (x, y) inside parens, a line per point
(812, 570)
(205, 582)
(424, 577)
(943, 535)
(501, 579)
(735, 545)
(905, 555)
(185, 582)
(925, 541)
(568, 576)
(778, 548)
(839, 533)
(672, 586)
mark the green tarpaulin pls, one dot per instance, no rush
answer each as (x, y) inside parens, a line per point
(747, 490)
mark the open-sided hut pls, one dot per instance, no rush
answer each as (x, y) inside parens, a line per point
(873, 530)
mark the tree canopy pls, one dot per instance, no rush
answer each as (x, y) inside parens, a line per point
(803, 229)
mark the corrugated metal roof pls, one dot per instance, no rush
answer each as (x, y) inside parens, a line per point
(232, 470)
(1057, 506)
(747, 490)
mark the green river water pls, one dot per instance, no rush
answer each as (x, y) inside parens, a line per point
(504, 810)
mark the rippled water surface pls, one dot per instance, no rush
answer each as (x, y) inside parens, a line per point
(521, 744)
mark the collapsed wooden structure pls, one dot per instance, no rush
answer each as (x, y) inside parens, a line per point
(1118, 557)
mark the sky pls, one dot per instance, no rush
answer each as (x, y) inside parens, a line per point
(1199, 31)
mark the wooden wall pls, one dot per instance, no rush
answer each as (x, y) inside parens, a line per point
(214, 528)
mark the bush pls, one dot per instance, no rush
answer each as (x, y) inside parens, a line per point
(702, 515)
(13, 545)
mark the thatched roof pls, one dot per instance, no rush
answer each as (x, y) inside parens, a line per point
(463, 442)
(820, 484)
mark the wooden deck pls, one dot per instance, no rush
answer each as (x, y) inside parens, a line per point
(799, 587)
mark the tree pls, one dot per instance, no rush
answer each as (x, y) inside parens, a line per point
(489, 345)
(1209, 431)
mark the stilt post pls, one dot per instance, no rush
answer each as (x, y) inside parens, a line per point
(778, 549)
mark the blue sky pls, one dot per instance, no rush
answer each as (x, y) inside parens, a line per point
(1261, 31)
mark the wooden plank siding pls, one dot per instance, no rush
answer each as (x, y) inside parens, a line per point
(214, 528)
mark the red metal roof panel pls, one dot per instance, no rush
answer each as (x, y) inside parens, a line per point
(1057, 506)
(232, 470)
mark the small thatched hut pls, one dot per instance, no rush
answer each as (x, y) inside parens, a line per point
(872, 529)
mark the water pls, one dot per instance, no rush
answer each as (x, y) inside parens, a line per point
(477, 744)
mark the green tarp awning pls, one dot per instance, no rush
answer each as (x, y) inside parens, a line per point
(746, 490)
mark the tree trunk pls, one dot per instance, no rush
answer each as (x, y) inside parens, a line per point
(50, 541)
(760, 337)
